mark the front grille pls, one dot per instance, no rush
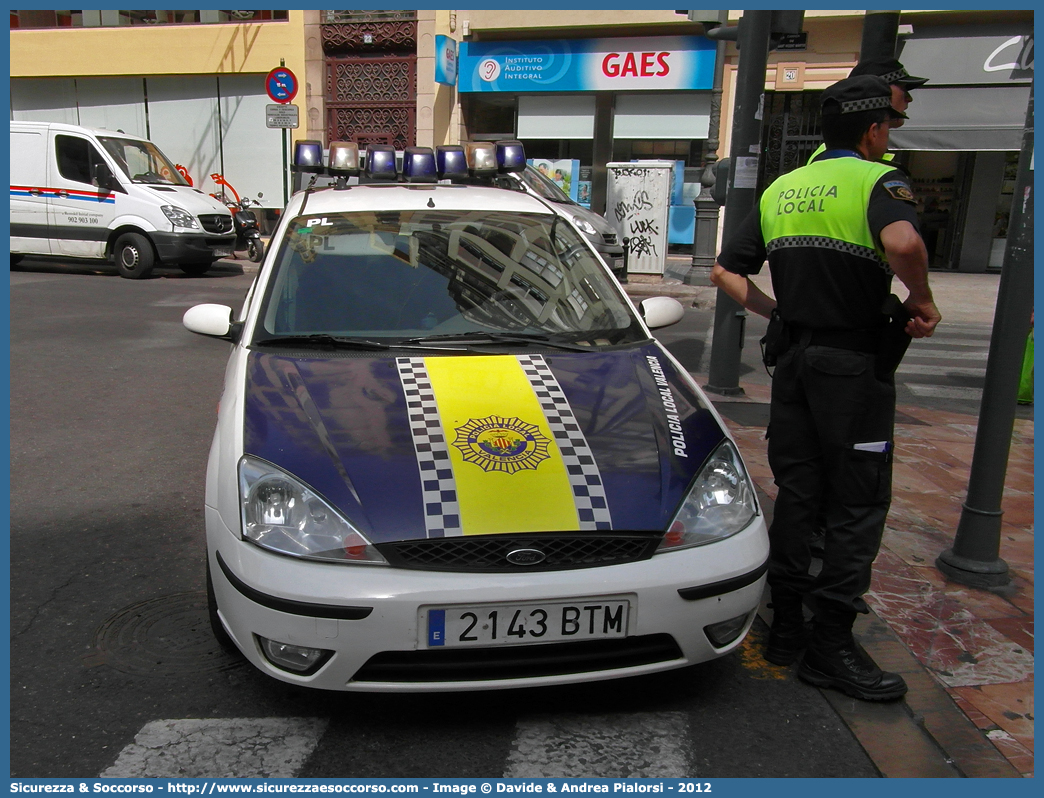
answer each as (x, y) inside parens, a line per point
(518, 662)
(609, 238)
(489, 553)
(216, 222)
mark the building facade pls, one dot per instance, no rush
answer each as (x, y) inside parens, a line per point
(581, 88)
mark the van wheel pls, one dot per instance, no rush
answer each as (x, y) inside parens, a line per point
(216, 627)
(134, 256)
(196, 269)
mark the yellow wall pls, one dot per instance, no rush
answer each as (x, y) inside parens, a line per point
(159, 50)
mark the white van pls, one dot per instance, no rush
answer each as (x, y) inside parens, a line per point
(83, 193)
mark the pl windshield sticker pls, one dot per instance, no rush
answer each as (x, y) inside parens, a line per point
(669, 406)
(498, 448)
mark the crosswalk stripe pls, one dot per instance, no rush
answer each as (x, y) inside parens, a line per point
(946, 392)
(955, 354)
(638, 745)
(951, 371)
(219, 748)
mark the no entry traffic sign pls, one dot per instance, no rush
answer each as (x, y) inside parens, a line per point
(281, 85)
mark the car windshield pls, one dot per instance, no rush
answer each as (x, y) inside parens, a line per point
(543, 186)
(142, 161)
(421, 275)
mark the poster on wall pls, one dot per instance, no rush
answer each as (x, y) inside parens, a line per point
(583, 187)
(564, 173)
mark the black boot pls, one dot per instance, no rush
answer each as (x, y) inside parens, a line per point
(789, 633)
(834, 659)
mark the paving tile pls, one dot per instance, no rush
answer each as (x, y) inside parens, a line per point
(910, 475)
(1020, 757)
(1009, 706)
(982, 604)
(1017, 630)
(1016, 549)
(1023, 595)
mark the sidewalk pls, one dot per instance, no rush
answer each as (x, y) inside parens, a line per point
(957, 647)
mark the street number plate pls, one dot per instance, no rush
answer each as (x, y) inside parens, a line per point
(516, 624)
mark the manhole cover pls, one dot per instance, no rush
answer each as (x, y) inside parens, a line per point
(166, 636)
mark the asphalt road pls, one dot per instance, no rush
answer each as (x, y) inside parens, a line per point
(112, 410)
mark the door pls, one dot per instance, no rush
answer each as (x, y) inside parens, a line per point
(80, 213)
(28, 196)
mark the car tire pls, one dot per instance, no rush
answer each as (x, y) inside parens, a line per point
(196, 269)
(134, 256)
(255, 250)
(216, 627)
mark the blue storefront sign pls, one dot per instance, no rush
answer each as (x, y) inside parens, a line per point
(623, 64)
(445, 60)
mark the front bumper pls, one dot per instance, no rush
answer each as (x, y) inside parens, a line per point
(616, 259)
(192, 247)
(370, 616)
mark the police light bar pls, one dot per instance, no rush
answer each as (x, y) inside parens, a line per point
(308, 156)
(511, 157)
(380, 162)
(418, 165)
(343, 160)
(482, 157)
(450, 162)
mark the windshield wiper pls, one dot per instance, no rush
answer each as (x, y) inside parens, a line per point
(321, 340)
(480, 337)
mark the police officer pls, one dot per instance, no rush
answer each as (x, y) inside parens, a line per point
(834, 232)
(900, 83)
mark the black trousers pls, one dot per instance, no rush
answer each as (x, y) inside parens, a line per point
(830, 449)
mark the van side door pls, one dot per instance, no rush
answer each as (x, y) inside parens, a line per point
(81, 211)
(29, 223)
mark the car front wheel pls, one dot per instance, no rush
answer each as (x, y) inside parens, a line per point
(196, 269)
(134, 256)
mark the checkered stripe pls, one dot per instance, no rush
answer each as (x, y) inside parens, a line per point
(851, 106)
(438, 486)
(892, 77)
(584, 478)
(821, 242)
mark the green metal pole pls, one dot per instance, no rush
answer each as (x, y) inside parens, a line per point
(974, 559)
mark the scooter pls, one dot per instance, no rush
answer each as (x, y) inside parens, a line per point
(248, 233)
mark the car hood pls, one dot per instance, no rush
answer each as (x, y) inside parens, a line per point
(189, 199)
(416, 447)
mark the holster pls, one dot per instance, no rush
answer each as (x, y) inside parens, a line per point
(894, 338)
(776, 340)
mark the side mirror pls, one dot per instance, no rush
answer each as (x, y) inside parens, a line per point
(661, 311)
(212, 320)
(103, 176)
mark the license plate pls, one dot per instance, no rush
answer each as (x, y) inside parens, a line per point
(223, 253)
(535, 622)
(618, 264)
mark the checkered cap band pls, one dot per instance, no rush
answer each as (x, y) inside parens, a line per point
(897, 75)
(852, 106)
(438, 486)
(821, 242)
(584, 477)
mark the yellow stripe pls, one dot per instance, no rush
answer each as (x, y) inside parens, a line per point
(469, 390)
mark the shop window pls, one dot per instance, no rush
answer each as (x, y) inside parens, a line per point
(490, 118)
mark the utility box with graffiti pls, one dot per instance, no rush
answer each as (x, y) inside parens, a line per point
(638, 198)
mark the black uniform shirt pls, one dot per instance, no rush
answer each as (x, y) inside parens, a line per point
(826, 288)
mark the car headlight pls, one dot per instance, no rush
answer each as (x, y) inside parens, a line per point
(586, 228)
(720, 503)
(179, 217)
(281, 514)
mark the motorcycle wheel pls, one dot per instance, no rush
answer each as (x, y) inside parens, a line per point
(255, 249)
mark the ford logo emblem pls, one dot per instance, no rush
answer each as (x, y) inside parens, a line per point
(526, 557)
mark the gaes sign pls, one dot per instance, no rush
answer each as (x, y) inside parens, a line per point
(281, 85)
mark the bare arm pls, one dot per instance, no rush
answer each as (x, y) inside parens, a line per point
(909, 260)
(743, 291)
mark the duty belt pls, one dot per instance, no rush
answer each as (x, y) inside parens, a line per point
(865, 340)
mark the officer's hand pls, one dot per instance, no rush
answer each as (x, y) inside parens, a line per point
(925, 316)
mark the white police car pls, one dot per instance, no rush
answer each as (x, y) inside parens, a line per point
(450, 455)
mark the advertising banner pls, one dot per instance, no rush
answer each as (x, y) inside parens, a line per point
(623, 64)
(445, 60)
(563, 172)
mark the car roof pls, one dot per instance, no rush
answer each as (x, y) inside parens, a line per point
(64, 127)
(416, 196)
